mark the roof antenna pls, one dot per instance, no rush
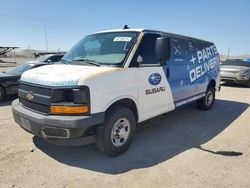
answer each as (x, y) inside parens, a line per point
(126, 27)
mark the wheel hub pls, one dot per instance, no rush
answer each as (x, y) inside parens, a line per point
(209, 98)
(120, 132)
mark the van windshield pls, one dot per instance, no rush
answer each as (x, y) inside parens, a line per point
(102, 49)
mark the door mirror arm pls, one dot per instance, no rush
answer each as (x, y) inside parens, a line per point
(139, 60)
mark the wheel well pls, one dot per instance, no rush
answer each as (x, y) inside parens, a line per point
(212, 83)
(4, 92)
(129, 103)
(3, 88)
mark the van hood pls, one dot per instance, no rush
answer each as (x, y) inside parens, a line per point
(63, 75)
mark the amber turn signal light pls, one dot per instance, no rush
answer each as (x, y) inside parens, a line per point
(69, 109)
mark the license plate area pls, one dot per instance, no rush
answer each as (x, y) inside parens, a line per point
(25, 124)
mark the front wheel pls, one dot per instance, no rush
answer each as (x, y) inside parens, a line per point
(207, 102)
(115, 136)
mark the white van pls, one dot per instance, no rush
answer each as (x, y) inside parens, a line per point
(112, 80)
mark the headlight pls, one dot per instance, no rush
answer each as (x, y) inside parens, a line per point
(244, 75)
(70, 101)
(244, 72)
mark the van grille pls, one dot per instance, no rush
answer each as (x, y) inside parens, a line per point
(35, 106)
(37, 103)
(36, 89)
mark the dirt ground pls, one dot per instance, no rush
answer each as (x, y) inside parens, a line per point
(184, 148)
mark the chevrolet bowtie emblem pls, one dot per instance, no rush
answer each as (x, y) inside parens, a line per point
(29, 96)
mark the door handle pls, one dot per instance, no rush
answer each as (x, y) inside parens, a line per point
(168, 73)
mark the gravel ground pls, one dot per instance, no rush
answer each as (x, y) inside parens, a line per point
(183, 148)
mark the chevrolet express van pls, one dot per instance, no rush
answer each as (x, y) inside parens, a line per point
(112, 80)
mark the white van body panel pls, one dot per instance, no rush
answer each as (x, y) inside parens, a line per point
(157, 103)
(126, 83)
(129, 83)
(62, 74)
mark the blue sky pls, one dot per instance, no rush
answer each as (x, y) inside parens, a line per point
(22, 22)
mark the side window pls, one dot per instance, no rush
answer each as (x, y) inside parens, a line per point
(177, 50)
(147, 49)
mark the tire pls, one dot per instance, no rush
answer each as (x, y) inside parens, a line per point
(119, 120)
(2, 94)
(206, 103)
(248, 83)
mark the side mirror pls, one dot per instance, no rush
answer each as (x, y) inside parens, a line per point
(162, 49)
(139, 60)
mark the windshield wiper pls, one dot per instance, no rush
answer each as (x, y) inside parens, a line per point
(64, 61)
(87, 61)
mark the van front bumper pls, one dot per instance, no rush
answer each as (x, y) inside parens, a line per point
(58, 130)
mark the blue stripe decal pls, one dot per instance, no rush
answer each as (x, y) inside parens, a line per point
(189, 99)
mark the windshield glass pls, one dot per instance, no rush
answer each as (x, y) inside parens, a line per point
(102, 48)
(19, 69)
(236, 62)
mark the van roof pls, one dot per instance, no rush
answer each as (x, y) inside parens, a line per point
(154, 31)
(121, 30)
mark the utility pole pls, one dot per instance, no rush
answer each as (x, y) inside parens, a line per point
(46, 40)
(228, 52)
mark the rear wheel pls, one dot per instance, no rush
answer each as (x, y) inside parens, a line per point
(2, 94)
(115, 136)
(207, 102)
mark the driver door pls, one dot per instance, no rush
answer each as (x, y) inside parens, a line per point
(154, 92)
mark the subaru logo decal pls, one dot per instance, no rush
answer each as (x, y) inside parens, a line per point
(154, 79)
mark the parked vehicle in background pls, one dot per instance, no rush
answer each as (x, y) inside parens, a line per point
(247, 60)
(9, 79)
(235, 71)
(50, 58)
(112, 80)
